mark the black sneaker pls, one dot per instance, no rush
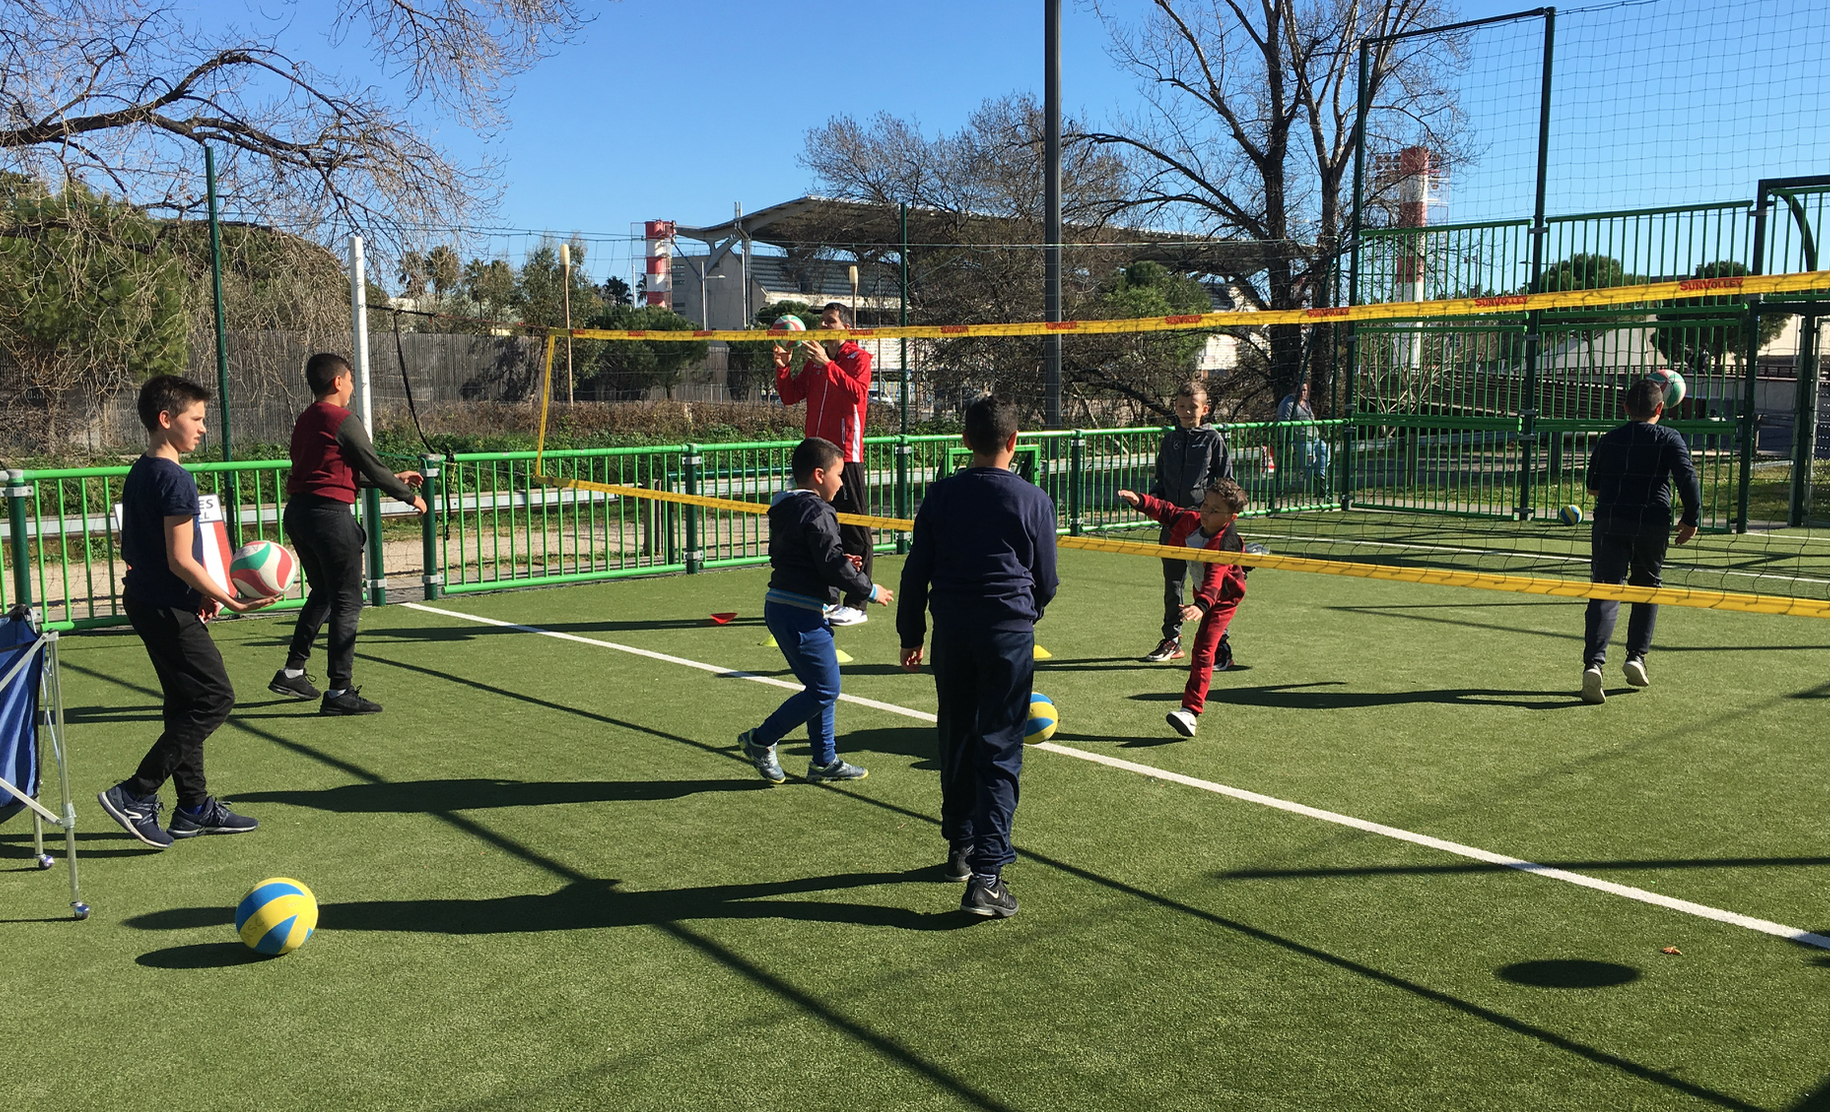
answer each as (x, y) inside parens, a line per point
(1223, 656)
(293, 687)
(139, 817)
(988, 896)
(212, 818)
(956, 868)
(350, 702)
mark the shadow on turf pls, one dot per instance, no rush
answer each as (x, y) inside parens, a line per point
(418, 796)
(1297, 696)
(202, 955)
(19, 846)
(1567, 973)
(599, 904)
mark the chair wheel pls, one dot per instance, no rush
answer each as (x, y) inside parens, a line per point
(45, 860)
(79, 910)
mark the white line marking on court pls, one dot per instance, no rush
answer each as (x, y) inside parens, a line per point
(1701, 911)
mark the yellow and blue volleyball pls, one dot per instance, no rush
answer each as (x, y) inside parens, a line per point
(277, 917)
(1570, 515)
(1042, 720)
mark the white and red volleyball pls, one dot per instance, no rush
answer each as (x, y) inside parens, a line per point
(262, 569)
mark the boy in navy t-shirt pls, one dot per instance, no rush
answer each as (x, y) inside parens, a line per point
(168, 596)
(983, 557)
(1631, 472)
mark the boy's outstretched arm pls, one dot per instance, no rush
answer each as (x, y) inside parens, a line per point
(836, 568)
(179, 532)
(1148, 505)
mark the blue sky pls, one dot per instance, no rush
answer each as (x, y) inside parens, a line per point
(676, 109)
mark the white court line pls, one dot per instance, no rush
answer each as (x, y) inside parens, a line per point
(1701, 911)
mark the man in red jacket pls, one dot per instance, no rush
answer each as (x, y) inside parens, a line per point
(1222, 585)
(835, 383)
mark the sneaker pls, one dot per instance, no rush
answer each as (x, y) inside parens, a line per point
(214, 817)
(847, 616)
(956, 868)
(292, 687)
(762, 756)
(139, 817)
(837, 770)
(1169, 648)
(350, 702)
(1591, 685)
(1183, 721)
(1635, 668)
(988, 896)
(1223, 656)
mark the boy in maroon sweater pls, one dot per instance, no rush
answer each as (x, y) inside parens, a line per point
(331, 457)
(1222, 585)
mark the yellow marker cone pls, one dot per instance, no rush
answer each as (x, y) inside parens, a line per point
(1040, 653)
(843, 656)
(770, 643)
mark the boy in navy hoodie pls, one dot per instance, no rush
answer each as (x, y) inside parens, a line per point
(983, 556)
(810, 569)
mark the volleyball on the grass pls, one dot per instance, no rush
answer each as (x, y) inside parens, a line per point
(1570, 515)
(1672, 384)
(1042, 720)
(277, 917)
(788, 323)
(262, 569)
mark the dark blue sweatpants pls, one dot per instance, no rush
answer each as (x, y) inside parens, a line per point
(982, 678)
(1637, 559)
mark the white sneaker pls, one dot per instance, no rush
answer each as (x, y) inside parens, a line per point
(1635, 668)
(1591, 685)
(1183, 721)
(847, 616)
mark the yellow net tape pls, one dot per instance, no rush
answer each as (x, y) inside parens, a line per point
(1400, 310)
(1441, 577)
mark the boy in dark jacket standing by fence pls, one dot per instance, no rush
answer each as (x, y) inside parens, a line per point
(331, 457)
(1631, 472)
(1192, 456)
(810, 568)
(983, 555)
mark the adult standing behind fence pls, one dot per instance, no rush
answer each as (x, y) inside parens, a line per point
(835, 382)
(1300, 447)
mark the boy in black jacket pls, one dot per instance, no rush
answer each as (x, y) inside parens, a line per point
(983, 556)
(1193, 457)
(810, 569)
(1631, 472)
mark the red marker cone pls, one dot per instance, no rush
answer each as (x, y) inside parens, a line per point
(721, 619)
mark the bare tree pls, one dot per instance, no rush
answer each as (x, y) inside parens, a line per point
(1249, 133)
(116, 95)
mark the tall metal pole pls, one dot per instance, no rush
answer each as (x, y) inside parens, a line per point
(902, 218)
(365, 409)
(231, 513)
(565, 263)
(1534, 327)
(1051, 176)
(737, 208)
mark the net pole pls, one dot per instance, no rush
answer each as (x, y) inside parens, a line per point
(1540, 231)
(902, 317)
(364, 399)
(1051, 246)
(1353, 277)
(233, 515)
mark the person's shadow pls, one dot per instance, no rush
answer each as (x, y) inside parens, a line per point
(594, 905)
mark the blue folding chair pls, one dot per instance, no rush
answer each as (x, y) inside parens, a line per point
(32, 720)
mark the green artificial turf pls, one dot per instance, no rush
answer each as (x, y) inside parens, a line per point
(548, 881)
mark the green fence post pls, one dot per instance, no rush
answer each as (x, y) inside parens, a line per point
(689, 473)
(1076, 481)
(434, 570)
(904, 494)
(17, 491)
(378, 572)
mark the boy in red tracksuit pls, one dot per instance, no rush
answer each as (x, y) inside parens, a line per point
(1222, 585)
(835, 382)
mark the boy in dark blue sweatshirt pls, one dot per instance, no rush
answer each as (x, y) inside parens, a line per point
(983, 557)
(1630, 473)
(810, 570)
